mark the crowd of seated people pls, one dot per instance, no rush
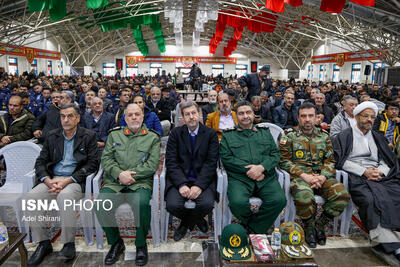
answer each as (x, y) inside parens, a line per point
(118, 121)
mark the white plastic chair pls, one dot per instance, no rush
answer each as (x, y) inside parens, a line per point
(254, 201)
(85, 217)
(318, 199)
(347, 214)
(124, 208)
(20, 158)
(217, 211)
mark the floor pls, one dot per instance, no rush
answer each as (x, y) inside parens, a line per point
(338, 251)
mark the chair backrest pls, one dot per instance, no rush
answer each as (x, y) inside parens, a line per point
(275, 130)
(20, 158)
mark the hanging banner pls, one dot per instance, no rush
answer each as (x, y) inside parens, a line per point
(29, 52)
(186, 61)
(341, 58)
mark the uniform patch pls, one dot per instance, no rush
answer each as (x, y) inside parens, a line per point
(295, 237)
(235, 241)
(321, 154)
(127, 131)
(283, 141)
(299, 154)
(144, 131)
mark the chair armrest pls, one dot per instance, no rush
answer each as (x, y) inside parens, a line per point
(97, 181)
(156, 187)
(29, 178)
(162, 182)
(88, 188)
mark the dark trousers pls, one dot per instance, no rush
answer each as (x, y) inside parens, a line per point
(139, 200)
(190, 217)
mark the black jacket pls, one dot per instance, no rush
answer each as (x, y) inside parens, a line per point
(85, 153)
(207, 109)
(384, 195)
(48, 121)
(178, 158)
(253, 85)
(328, 113)
(161, 109)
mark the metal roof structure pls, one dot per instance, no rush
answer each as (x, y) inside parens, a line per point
(291, 43)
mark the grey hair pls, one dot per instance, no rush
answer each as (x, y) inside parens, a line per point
(154, 88)
(264, 93)
(188, 104)
(321, 94)
(347, 98)
(318, 91)
(256, 98)
(69, 94)
(363, 97)
(289, 93)
(131, 105)
(71, 105)
(96, 98)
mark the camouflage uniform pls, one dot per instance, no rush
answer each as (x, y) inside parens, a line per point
(301, 153)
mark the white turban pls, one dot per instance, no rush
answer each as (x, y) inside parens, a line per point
(364, 105)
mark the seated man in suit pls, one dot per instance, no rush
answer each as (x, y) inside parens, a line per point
(98, 121)
(224, 117)
(249, 155)
(374, 176)
(191, 161)
(68, 156)
(130, 159)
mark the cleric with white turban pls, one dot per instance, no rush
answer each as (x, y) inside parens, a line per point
(364, 105)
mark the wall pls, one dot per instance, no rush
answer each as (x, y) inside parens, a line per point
(187, 50)
(332, 47)
(40, 41)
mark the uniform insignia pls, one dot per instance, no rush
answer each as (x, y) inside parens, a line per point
(288, 130)
(235, 241)
(262, 126)
(255, 129)
(114, 129)
(283, 141)
(144, 131)
(117, 144)
(321, 153)
(299, 154)
(229, 129)
(226, 253)
(127, 131)
(240, 129)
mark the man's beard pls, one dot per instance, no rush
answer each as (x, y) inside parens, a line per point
(134, 128)
(226, 110)
(213, 101)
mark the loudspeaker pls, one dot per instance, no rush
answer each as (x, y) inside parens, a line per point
(253, 66)
(367, 70)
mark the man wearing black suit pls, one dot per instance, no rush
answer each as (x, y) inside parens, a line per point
(191, 162)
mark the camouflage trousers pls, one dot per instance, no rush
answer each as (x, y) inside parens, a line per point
(335, 195)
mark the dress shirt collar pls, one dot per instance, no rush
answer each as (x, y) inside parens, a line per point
(194, 133)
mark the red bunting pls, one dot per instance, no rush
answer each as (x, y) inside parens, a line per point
(332, 6)
(364, 2)
(275, 5)
(294, 2)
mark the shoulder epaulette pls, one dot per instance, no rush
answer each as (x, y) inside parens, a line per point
(288, 130)
(229, 129)
(324, 131)
(261, 126)
(115, 128)
(154, 131)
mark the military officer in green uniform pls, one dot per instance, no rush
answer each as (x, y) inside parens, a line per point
(249, 155)
(130, 159)
(307, 156)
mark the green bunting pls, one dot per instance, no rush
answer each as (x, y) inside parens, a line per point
(57, 8)
(96, 3)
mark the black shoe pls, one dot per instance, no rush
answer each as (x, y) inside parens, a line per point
(68, 252)
(115, 251)
(321, 237)
(43, 249)
(310, 237)
(202, 225)
(180, 232)
(141, 256)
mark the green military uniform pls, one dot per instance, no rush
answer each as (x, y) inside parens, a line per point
(302, 153)
(242, 147)
(135, 152)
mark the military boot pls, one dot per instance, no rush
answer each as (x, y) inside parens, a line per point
(309, 229)
(323, 220)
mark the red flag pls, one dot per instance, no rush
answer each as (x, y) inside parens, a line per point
(364, 2)
(332, 6)
(275, 5)
(294, 2)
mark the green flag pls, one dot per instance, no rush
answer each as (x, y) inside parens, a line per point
(57, 9)
(38, 5)
(96, 3)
